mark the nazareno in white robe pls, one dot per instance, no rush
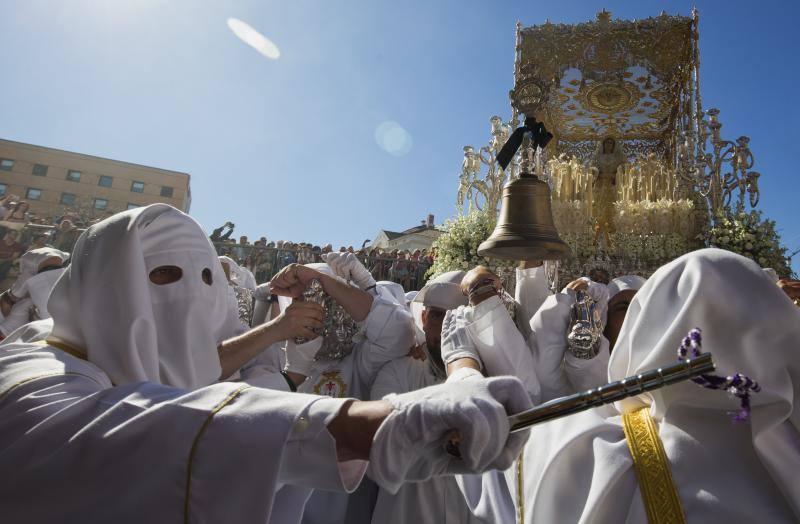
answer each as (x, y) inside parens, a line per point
(109, 435)
(579, 468)
(439, 500)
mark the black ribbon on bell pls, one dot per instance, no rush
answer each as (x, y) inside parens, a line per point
(539, 135)
(525, 228)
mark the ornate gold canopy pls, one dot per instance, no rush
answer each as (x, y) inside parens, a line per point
(621, 78)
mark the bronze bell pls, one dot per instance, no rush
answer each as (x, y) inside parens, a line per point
(525, 229)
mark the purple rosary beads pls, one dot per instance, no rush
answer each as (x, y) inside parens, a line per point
(738, 385)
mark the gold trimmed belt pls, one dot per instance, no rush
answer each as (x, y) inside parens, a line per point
(521, 488)
(63, 346)
(659, 494)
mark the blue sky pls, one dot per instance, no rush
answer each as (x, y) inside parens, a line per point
(285, 148)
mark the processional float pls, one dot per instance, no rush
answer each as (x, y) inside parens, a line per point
(633, 175)
(636, 169)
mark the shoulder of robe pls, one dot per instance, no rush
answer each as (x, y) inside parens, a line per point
(22, 362)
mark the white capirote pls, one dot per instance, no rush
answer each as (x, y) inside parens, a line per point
(29, 264)
(579, 468)
(167, 334)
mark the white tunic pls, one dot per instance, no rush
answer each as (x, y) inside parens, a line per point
(145, 452)
(431, 502)
(530, 292)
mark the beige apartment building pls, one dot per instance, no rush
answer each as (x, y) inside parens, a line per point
(54, 181)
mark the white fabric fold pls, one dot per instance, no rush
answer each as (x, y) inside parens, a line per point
(579, 468)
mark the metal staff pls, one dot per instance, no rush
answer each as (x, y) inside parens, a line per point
(605, 394)
(613, 391)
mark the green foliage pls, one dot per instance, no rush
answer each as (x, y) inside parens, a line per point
(751, 236)
(457, 247)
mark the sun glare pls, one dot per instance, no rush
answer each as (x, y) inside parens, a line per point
(253, 38)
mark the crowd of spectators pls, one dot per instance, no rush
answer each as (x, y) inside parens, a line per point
(22, 230)
(264, 258)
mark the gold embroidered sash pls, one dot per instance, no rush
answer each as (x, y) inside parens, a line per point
(659, 493)
(520, 488)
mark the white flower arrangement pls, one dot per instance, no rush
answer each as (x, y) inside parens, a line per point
(660, 217)
(751, 236)
(457, 247)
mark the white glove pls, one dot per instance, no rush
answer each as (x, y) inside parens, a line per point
(336, 262)
(20, 289)
(347, 266)
(410, 444)
(456, 342)
(300, 357)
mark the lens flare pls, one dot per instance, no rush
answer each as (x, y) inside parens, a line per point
(393, 138)
(253, 38)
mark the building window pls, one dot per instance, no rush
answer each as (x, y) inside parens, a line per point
(105, 181)
(33, 194)
(68, 199)
(132, 206)
(73, 176)
(100, 203)
(39, 169)
(3, 188)
(137, 187)
(166, 191)
(6, 164)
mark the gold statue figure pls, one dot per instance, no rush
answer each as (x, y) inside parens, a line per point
(607, 159)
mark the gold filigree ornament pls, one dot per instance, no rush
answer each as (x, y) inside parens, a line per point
(610, 97)
(616, 63)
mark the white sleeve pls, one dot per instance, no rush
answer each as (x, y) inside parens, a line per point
(389, 334)
(500, 345)
(530, 292)
(261, 305)
(311, 447)
(221, 451)
(548, 343)
(586, 374)
(260, 312)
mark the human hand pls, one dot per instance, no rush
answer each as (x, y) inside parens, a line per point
(456, 342)
(479, 284)
(298, 320)
(292, 280)
(349, 267)
(580, 284)
(410, 444)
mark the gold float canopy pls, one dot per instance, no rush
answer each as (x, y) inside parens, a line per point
(620, 78)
